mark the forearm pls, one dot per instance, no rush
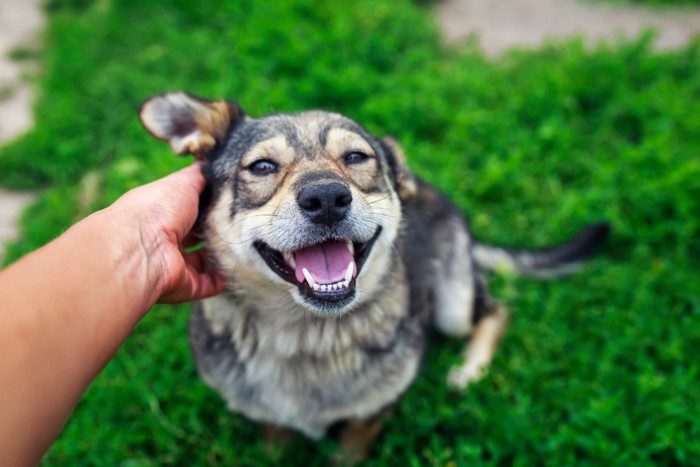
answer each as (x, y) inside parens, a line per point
(66, 309)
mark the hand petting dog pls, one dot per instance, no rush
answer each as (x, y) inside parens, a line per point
(67, 307)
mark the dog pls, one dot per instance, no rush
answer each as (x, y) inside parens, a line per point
(338, 262)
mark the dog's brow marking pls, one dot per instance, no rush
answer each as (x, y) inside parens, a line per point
(277, 147)
(323, 135)
(340, 140)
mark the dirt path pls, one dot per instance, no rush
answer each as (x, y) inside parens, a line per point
(502, 24)
(20, 21)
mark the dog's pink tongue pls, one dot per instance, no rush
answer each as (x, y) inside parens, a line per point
(326, 262)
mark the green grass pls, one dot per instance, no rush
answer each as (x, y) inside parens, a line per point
(600, 368)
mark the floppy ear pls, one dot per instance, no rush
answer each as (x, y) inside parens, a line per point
(404, 180)
(190, 125)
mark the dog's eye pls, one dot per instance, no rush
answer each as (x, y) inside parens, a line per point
(355, 157)
(263, 167)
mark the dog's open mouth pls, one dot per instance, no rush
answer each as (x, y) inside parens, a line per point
(324, 272)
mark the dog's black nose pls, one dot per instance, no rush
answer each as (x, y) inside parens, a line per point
(325, 203)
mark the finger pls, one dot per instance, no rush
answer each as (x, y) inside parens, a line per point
(187, 183)
(204, 275)
(188, 176)
(212, 283)
(195, 286)
(197, 260)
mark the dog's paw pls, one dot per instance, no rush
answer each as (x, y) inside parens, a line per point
(460, 376)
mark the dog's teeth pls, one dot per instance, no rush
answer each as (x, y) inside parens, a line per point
(289, 258)
(350, 271)
(351, 247)
(329, 287)
(309, 279)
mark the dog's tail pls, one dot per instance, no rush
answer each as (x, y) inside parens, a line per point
(545, 263)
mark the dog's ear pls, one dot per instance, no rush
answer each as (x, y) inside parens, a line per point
(190, 125)
(404, 180)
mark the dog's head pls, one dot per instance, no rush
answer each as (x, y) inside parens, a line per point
(309, 203)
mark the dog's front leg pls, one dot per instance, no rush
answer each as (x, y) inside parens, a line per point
(478, 353)
(276, 439)
(356, 437)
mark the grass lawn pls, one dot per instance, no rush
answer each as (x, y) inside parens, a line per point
(600, 368)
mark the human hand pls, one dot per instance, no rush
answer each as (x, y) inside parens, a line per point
(166, 212)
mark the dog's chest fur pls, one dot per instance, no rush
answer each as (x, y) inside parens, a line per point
(283, 366)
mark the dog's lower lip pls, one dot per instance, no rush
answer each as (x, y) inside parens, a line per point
(283, 264)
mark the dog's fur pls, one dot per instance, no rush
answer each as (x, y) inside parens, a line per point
(287, 355)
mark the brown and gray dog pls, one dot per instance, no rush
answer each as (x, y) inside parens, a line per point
(338, 260)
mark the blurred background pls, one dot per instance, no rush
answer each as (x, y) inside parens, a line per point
(534, 116)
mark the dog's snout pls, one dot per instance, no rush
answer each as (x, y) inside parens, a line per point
(325, 203)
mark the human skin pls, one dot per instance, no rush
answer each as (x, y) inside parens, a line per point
(67, 307)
